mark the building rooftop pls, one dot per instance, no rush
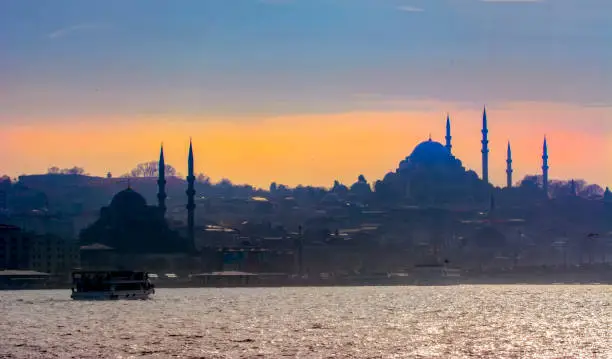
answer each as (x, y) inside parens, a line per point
(21, 273)
(96, 247)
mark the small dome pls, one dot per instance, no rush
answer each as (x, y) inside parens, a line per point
(128, 198)
(430, 151)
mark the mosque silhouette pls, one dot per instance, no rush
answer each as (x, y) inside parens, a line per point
(431, 164)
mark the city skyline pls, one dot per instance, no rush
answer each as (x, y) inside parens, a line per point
(495, 177)
(305, 91)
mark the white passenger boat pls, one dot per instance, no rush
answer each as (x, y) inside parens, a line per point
(111, 285)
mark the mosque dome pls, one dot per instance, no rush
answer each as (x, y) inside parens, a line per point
(128, 198)
(429, 152)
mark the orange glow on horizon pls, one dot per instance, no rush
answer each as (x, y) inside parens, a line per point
(317, 149)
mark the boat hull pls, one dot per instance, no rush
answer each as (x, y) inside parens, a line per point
(121, 295)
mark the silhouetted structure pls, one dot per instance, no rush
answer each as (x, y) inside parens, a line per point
(129, 225)
(190, 196)
(161, 182)
(14, 248)
(448, 137)
(485, 147)
(509, 169)
(545, 168)
(431, 174)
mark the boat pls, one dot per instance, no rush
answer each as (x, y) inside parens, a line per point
(111, 285)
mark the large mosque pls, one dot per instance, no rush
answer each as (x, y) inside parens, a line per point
(128, 224)
(432, 154)
(432, 174)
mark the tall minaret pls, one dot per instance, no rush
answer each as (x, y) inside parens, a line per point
(485, 147)
(448, 137)
(190, 195)
(509, 169)
(161, 182)
(545, 167)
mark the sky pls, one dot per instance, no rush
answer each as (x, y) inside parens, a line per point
(304, 91)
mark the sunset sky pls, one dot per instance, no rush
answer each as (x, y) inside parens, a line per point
(304, 91)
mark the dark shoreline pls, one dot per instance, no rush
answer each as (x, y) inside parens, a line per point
(377, 283)
(327, 285)
(600, 275)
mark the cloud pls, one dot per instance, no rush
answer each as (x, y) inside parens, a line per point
(67, 30)
(410, 9)
(275, 2)
(511, 1)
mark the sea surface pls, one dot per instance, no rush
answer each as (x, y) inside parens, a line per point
(513, 321)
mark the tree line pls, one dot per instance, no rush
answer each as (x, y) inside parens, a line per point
(557, 188)
(66, 171)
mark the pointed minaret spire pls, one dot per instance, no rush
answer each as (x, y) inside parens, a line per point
(448, 137)
(161, 182)
(190, 196)
(485, 147)
(509, 169)
(545, 167)
(190, 159)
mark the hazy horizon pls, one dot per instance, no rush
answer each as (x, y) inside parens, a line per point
(305, 92)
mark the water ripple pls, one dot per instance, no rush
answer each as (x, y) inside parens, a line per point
(359, 322)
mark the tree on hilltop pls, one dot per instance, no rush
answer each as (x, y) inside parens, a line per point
(561, 188)
(339, 188)
(225, 182)
(361, 187)
(203, 179)
(592, 191)
(66, 171)
(151, 169)
(5, 180)
(74, 171)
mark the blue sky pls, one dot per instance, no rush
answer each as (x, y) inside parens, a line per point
(247, 56)
(349, 72)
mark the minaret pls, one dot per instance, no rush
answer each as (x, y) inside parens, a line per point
(161, 183)
(545, 167)
(485, 147)
(448, 137)
(190, 195)
(509, 169)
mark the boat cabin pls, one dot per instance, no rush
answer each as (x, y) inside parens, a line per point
(105, 281)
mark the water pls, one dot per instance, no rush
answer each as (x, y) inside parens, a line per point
(351, 322)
